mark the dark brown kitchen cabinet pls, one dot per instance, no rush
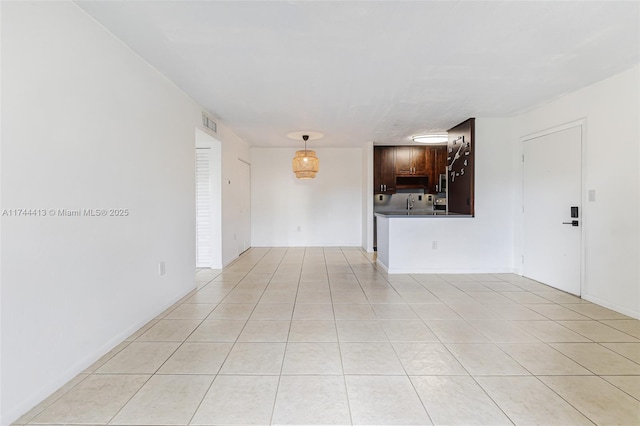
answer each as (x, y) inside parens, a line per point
(384, 176)
(437, 156)
(411, 161)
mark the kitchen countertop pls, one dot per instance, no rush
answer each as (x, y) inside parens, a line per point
(418, 213)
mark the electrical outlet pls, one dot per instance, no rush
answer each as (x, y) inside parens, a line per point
(162, 268)
(434, 245)
(381, 197)
(419, 197)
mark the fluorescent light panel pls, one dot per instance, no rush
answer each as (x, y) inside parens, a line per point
(430, 138)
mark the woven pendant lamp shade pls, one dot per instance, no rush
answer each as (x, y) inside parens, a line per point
(305, 164)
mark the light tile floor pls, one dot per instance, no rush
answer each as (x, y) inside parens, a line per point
(321, 336)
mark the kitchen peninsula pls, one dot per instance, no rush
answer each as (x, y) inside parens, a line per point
(423, 237)
(413, 242)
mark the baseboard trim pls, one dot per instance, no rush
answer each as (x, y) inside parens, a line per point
(496, 270)
(229, 262)
(383, 266)
(620, 309)
(332, 245)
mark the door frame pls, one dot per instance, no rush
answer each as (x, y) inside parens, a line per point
(582, 124)
(240, 227)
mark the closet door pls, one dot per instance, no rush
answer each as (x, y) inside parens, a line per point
(204, 209)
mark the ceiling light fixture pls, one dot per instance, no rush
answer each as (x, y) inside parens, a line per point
(305, 164)
(430, 138)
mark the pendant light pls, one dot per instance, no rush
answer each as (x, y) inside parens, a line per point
(305, 164)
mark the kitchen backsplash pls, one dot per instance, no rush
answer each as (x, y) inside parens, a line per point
(398, 201)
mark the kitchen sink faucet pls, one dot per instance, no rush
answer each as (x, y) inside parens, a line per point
(410, 202)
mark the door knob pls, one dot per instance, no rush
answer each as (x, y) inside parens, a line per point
(572, 223)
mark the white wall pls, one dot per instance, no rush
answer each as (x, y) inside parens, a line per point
(88, 124)
(483, 243)
(325, 211)
(611, 109)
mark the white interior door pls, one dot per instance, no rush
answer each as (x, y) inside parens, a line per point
(244, 225)
(552, 245)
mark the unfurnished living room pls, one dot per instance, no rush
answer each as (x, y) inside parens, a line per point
(319, 212)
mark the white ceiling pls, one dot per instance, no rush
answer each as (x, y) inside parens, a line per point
(379, 71)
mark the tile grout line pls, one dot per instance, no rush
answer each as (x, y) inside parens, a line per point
(284, 355)
(338, 342)
(619, 388)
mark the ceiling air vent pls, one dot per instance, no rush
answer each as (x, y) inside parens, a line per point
(209, 123)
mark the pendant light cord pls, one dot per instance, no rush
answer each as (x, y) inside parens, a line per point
(305, 138)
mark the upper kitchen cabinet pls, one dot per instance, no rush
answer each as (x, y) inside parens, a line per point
(411, 161)
(384, 176)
